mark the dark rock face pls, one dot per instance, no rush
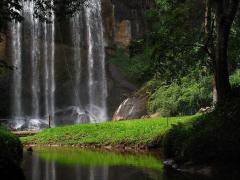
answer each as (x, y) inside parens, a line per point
(124, 21)
(5, 75)
(131, 108)
(5, 89)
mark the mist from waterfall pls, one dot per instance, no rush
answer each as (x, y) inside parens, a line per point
(33, 53)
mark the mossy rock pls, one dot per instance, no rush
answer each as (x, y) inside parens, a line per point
(10, 146)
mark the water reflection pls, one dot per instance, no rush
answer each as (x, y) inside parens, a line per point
(9, 170)
(75, 164)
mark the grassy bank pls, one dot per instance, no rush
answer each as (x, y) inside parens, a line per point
(10, 155)
(10, 146)
(129, 133)
(213, 138)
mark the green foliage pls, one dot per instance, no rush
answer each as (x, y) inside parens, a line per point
(212, 138)
(10, 146)
(135, 68)
(9, 10)
(184, 97)
(175, 39)
(235, 78)
(233, 54)
(132, 132)
(172, 142)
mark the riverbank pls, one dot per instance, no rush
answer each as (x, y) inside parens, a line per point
(131, 134)
(212, 140)
(11, 154)
(10, 146)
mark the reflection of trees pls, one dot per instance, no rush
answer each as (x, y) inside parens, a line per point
(10, 170)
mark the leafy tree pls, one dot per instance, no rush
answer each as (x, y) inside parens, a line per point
(9, 10)
(175, 42)
(44, 9)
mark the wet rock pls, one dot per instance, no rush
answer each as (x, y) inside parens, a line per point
(22, 124)
(71, 115)
(30, 149)
(155, 115)
(206, 110)
(131, 108)
(123, 34)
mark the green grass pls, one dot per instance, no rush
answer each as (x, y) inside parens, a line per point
(98, 158)
(131, 132)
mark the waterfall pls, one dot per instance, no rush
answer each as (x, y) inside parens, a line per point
(97, 82)
(35, 55)
(46, 70)
(96, 108)
(52, 68)
(49, 69)
(17, 73)
(76, 39)
(35, 79)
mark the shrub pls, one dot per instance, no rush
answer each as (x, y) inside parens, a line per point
(235, 78)
(10, 155)
(212, 138)
(10, 146)
(173, 142)
(165, 100)
(136, 68)
(185, 97)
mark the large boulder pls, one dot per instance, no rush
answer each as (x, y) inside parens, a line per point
(131, 108)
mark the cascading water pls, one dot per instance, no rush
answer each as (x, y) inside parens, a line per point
(49, 68)
(52, 69)
(97, 82)
(17, 75)
(76, 39)
(25, 116)
(35, 59)
(34, 80)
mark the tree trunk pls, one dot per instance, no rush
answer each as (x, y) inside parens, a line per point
(221, 65)
(209, 46)
(225, 15)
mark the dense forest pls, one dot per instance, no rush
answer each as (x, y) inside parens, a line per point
(178, 57)
(165, 74)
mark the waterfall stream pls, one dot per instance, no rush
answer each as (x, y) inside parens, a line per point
(35, 82)
(97, 83)
(17, 73)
